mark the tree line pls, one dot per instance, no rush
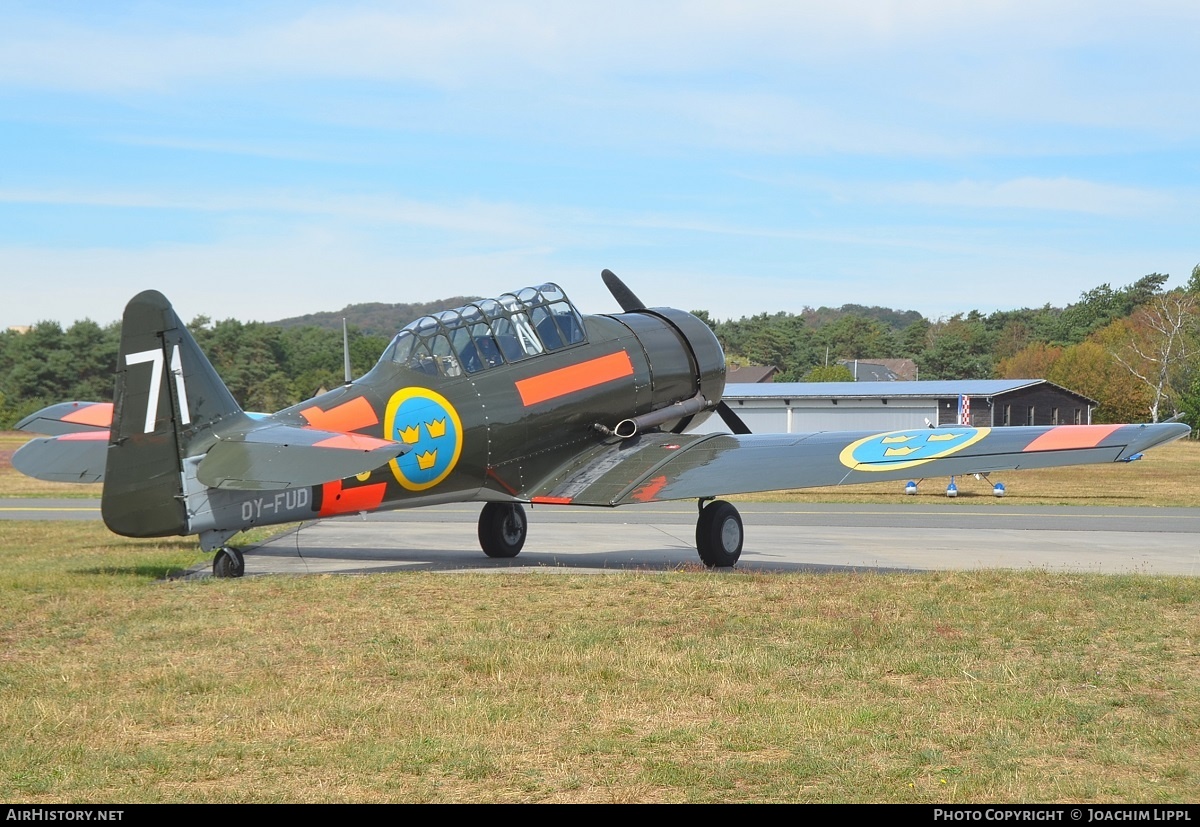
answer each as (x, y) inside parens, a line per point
(1135, 349)
(266, 367)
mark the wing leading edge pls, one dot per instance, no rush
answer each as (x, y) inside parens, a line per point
(659, 467)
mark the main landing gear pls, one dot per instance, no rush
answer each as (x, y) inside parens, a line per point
(229, 562)
(502, 529)
(719, 534)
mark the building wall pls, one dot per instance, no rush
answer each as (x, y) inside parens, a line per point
(1041, 405)
(779, 416)
(981, 411)
(1047, 405)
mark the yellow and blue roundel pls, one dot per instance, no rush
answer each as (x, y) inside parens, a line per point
(428, 422)
(904, 449)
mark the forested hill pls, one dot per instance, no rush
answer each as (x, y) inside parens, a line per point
(375, 318)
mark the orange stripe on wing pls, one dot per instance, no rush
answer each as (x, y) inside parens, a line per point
(649, 490)
(349, 416)
(1066, 437)
(551, 500)
(579, 377)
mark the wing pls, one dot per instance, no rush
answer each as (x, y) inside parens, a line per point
(675, 467)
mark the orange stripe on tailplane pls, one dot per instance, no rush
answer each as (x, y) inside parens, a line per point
(1067, 437)
(338, 500)
(99, 414)
(353, 442)
(349, 416)
(582, 376)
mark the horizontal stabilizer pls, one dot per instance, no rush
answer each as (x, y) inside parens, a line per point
(72, 457)
(285, 456)
(69, 418)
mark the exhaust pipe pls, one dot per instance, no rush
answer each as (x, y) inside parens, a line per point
(628, 428)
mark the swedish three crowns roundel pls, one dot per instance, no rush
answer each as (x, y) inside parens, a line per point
(904, 449)
(428, 422)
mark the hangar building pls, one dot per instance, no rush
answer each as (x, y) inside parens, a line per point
(799, 407)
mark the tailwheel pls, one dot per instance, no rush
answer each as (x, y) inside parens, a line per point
(229, 562)
(502, 529)
(719, 534)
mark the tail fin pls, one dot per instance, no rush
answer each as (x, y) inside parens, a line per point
(167, 395)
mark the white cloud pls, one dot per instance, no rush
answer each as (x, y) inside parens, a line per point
(473, 216)
(1010, 59)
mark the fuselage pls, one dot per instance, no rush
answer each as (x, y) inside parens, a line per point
(493, 398)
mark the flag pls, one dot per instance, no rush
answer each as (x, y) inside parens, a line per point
(964, 410)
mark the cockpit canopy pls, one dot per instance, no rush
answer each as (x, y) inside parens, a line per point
(489, 332)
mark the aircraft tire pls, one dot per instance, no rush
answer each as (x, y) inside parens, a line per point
(229, 562)
(502, 529)
(719, 534)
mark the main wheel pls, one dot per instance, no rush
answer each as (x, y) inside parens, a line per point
(719, 534)
(502, 529)
(229, 562)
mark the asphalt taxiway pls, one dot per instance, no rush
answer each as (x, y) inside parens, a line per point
(906, 535)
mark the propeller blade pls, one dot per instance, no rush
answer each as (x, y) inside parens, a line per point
(621, 293)
(732, 421)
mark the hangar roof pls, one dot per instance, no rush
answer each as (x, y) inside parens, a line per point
(939, 389)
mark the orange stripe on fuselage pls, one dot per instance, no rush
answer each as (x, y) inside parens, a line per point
(338, 500)
(579, 377)
(349, 416)
(1066, 437)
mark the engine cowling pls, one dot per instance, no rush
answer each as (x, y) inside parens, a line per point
(687, 369)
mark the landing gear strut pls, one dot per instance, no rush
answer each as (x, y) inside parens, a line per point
(229, 562)
(502, 529)
(719, 534)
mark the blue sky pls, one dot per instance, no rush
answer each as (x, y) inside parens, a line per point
(259, 160)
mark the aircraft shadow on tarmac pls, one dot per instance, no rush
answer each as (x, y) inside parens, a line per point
(290, 554)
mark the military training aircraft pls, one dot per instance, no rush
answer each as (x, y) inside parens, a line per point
(507, 401)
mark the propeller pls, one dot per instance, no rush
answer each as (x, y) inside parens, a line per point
(621, 293)
(732, 421)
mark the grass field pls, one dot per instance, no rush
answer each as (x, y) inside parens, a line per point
(117, 685)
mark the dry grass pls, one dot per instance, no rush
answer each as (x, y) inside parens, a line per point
(682, 687)
(118, 686)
